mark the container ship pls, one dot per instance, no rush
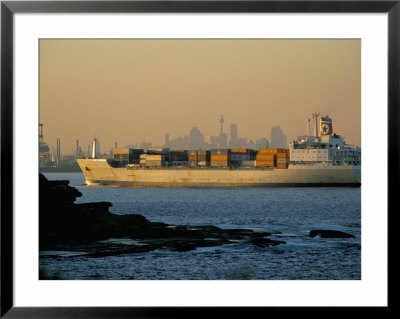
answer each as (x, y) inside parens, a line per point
(320, 158)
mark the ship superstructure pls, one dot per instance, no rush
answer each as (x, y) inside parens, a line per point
(324, 147)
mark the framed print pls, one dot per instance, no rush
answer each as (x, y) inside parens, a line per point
(196, 155)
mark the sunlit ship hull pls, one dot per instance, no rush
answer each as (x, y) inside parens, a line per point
(98, 171)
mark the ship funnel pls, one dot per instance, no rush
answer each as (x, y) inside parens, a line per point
(325, 125)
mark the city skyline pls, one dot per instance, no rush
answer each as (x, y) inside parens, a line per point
(141, 89)
(195, 139)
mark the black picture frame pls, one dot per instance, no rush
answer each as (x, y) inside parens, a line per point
(9, 8)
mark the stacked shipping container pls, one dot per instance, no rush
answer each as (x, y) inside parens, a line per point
(193, 158)
(178, 156)
(238, 155)
(127, 155)
(266, 157)
(282, 160)
(220, 157)
(152, 160)
(203, 157)
(273, 157)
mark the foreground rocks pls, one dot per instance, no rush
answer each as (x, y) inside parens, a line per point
(91, 230)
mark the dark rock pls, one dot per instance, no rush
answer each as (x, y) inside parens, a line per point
(324, 233)
(184, 245)
(265, 242)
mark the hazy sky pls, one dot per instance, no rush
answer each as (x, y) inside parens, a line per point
(130, 91)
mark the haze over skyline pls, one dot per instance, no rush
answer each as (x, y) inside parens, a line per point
(130, 91)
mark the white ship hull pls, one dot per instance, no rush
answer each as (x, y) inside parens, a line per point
(98, 171)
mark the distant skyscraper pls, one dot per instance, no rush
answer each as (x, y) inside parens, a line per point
(233, 135)
(166, 139)
(196, 139)
(278, 139)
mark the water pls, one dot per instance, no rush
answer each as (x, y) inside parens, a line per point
(291, 211)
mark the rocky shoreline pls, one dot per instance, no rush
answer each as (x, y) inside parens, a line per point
(91, 230)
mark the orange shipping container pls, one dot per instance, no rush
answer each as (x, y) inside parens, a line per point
(282, 165)
(193, 158)
(265, 163)
(282, 155)
(219, 158)
(265, 157)
(267, 151)
(272, 150)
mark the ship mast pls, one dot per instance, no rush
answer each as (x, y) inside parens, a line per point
(315, 123)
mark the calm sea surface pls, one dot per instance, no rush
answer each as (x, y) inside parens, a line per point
(291, 211)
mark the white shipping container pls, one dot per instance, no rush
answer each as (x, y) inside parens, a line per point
(219, 163)
(249, 163)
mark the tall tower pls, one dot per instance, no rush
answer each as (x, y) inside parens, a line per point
(40, 133)
(77, 151)
(44, 151)
(221, 121)
(58, 151)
